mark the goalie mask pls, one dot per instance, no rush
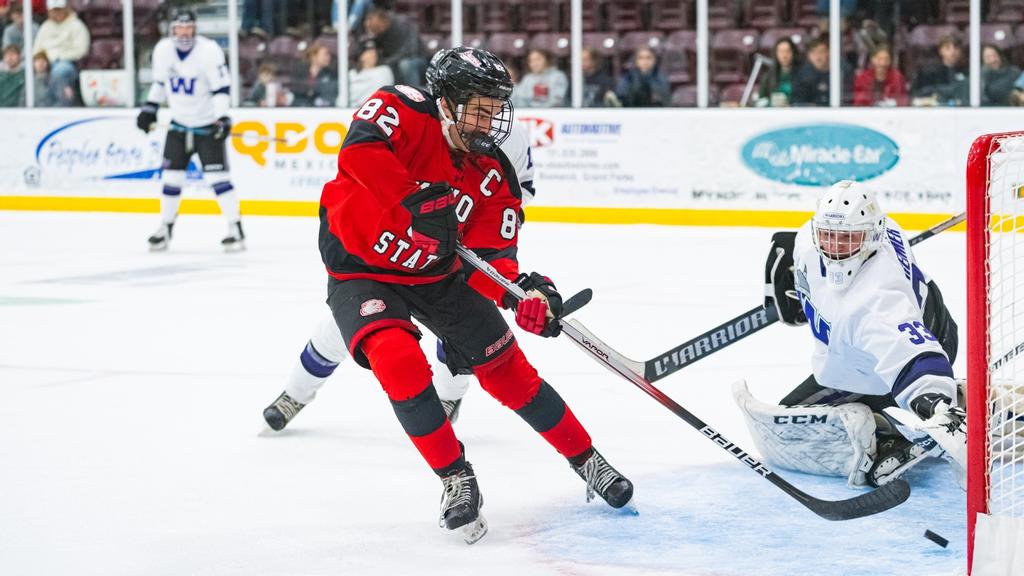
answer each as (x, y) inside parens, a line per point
(476, 87)
(847, 229)
(183, 29)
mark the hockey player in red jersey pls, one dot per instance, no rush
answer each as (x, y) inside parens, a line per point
(325, 350)
(411, 164)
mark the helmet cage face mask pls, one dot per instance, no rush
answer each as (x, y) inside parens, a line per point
(483, 123)
(477, 89)
(846, 230)
(183, 19)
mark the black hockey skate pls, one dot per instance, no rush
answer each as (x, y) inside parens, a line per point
(161, 238)
(235, 240)
(604, 481)
(451, 409)
(896, 455)
(460, 505)
(281, 412)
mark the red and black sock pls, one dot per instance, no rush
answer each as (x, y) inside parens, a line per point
(399, 364)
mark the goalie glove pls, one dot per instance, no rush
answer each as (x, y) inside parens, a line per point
(780, 287)
(539, 311)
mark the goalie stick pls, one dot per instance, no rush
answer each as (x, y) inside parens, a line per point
(866, 504)
(744, 325)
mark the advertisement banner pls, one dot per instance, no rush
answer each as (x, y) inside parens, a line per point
(745, 160)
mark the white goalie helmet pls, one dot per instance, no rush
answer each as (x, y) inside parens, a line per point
(847, 229)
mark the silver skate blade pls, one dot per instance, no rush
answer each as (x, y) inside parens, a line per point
(474, 531)
(161, 247)
(630, 508)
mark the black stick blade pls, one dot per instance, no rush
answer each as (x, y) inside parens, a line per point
(576, 301)
(879, 500)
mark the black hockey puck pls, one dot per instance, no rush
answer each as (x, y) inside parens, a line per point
(936, 538)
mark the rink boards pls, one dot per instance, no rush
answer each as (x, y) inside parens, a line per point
(614, 166)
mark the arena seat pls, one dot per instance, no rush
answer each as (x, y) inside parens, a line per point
(804, 13)
(1009, 11)
(554, 43)
(679, 56)
(508, 44)
(1000, 35)
(671, 15)
(730, 54)
(765, 13)
(105, 54)
(625, 15)
(955, 12)
(686, 96)
(723, 15)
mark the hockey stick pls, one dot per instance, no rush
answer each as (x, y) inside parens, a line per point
(751, 321)
(866, 504)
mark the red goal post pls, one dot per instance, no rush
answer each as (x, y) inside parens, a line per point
(995, 354)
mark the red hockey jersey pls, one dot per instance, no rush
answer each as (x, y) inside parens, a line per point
(393, 144)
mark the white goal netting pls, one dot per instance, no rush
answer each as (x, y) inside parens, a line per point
(996, 352)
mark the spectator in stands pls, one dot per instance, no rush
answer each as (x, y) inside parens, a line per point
(14, 32)
(64, 39)
(598, 86)
(880, 84)
(642, 85)
(318, 85)
(268, 92)
(41, 66)
(543, 86)
(997, 77)
(12, 78)
(811, 82)
(946, 81)
(398, 43)
(259, 17)
(777, 84)
(368, 75)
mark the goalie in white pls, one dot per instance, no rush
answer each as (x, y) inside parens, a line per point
(190, 74)
(882, 395)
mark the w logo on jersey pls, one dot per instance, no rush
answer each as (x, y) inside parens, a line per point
(819, 326)
(179, 84)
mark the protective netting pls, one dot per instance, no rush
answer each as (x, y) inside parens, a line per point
(1005, 326)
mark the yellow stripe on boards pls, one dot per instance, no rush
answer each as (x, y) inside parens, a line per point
(564, 214)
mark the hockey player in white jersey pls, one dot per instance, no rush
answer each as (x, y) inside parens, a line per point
(882, 395)
(190, 74)
(325, 349)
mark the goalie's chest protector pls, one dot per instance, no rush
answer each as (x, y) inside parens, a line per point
(866, 334)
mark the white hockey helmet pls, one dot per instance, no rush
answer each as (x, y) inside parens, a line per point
(847, 227)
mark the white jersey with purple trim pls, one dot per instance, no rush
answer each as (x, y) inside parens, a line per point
(517, 148)
(869, 338)
(190, 81)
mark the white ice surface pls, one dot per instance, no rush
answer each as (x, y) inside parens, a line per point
(132, 386)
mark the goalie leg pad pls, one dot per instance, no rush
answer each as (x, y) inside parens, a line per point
(823, 440)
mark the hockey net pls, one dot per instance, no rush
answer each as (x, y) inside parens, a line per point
(995, 354)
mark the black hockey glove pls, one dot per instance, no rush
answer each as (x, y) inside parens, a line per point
(538, 313)
(435, 228)
(147, 116)
(221, 128)
(780, 288)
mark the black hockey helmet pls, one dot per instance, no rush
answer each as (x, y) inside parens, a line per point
(182, 16)
(431, 73)
(457, 76)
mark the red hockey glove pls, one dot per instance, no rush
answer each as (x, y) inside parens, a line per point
(538, 312)
(435, 228)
